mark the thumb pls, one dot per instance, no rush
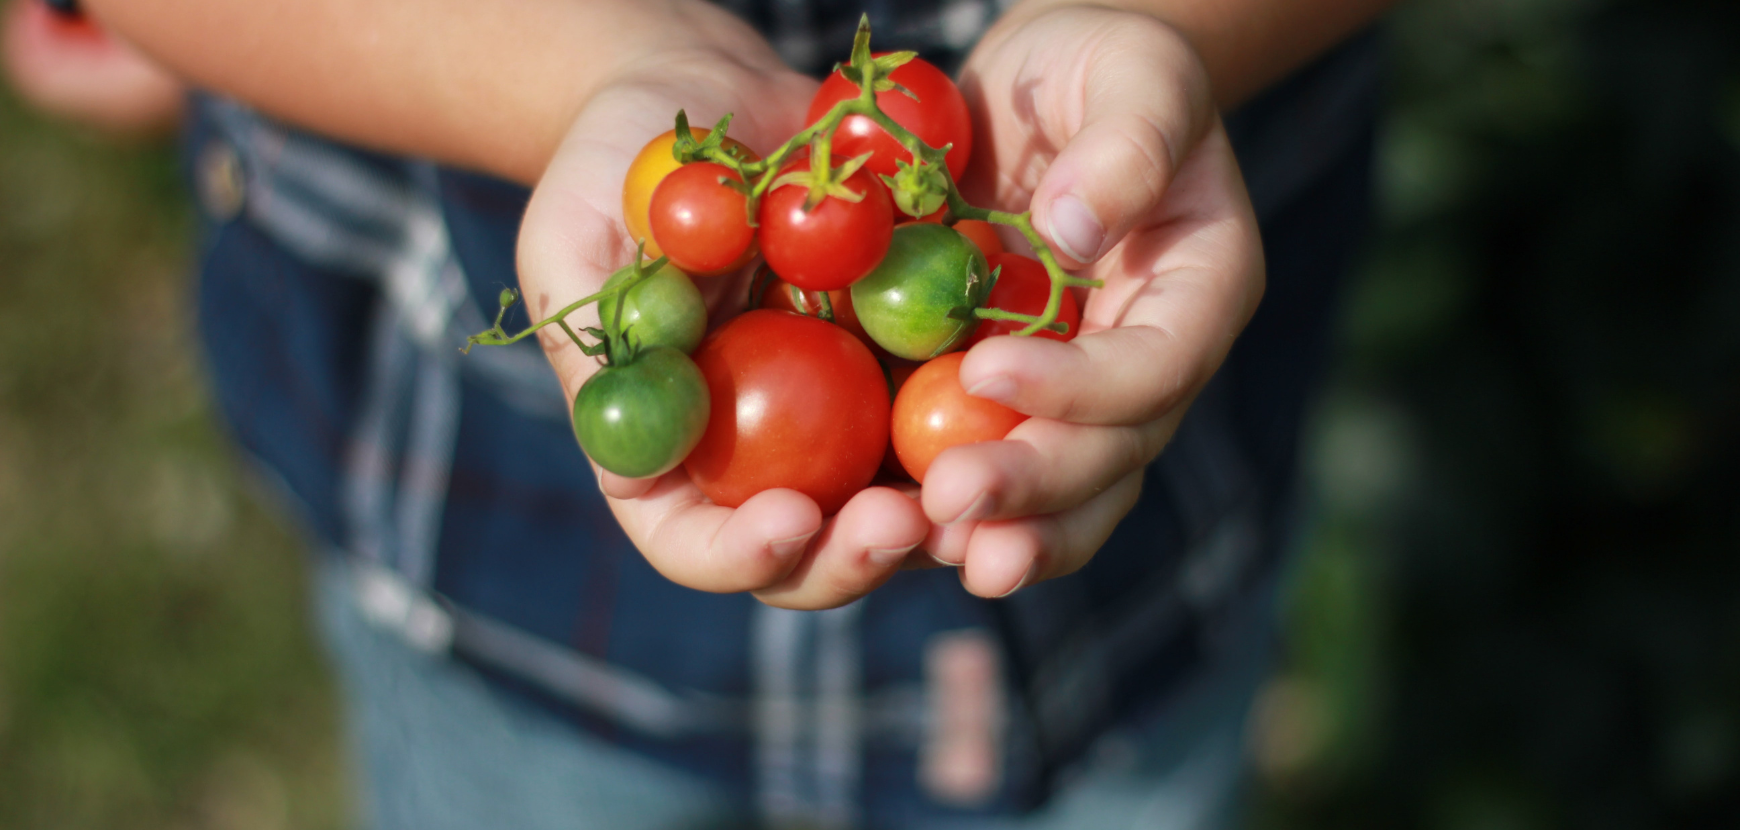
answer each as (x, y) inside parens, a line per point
(1144, 105)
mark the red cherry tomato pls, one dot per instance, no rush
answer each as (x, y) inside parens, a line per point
(835, 244)
(779, 294)
(651, 165)
(1023, 287)
(796, 402)
(933, 413)
(938, 117)
(701, 224)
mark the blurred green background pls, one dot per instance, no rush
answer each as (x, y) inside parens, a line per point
(1520, 601)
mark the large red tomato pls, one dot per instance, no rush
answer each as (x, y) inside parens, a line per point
(1023, 287)
(933, 413)
(796, 403)
(833, 245)
(938, 117)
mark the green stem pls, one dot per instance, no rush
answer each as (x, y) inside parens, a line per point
(496, 336)
(760, 176)
(1013, 316)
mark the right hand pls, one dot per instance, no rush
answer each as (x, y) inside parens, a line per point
(777, 544)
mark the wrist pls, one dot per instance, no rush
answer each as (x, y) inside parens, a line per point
(1245, 45)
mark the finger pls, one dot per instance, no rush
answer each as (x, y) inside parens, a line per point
(946, 545)
(1003, 557)
(623, 487)
(1137, 108)
(705, 546)
(1043, 467)
(859, 550)
(1126, 375)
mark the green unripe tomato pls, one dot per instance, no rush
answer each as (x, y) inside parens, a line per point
(929, 271)
(642, 418)
(665, 309)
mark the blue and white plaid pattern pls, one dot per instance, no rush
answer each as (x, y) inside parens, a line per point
(339, 284)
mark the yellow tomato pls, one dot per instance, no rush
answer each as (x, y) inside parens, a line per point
(651, 166)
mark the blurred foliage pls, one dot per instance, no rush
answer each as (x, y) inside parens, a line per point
(1520, 603)
(155, 664)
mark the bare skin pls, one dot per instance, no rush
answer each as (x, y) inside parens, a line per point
(1104, 120)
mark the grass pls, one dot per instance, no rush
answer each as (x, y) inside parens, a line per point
(156, 668)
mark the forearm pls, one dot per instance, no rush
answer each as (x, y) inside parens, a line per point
(1246, 45)
(493, 88)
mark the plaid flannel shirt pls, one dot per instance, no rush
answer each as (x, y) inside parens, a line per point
(338, 285)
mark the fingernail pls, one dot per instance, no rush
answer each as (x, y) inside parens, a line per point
(944, 563)
(887, 557)
(1032, 570)
(999, 388)
(1076, 229)
(787, 548)
(979, 509)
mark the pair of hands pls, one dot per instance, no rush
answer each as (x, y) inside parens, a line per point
(1102, 122)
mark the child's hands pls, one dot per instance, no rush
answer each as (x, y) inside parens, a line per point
(1105, 121)
(776, 544)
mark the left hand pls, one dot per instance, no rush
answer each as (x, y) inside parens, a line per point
(1103, 122)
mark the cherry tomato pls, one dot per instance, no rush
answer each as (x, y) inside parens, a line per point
(665, 309)
(1023, 287)
(640, 419)
(787, 297)
(982, 233)
(650, 166)
(933, 413)
(938, 117)
(910, 302)
(835, 244)
(701, 223)
(797, 403)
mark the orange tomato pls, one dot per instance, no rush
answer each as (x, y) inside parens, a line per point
(650, 166)
(983, 234)
(932, 413)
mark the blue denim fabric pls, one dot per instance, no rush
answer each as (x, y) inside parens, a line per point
(442, 747)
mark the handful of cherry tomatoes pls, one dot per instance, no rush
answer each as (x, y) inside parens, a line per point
(875, 273)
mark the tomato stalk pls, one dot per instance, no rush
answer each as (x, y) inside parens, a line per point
(613, 345)
(872, 76)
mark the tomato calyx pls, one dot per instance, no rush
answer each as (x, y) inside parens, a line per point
(712, 148)
(919, 189)
(824, 180)
(864, 67)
